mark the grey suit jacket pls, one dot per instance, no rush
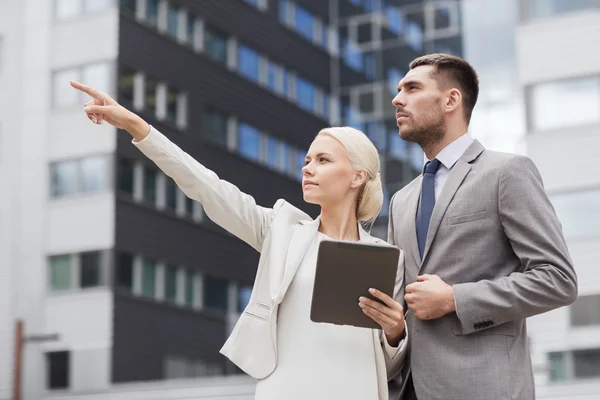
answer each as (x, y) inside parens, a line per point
(495, 237)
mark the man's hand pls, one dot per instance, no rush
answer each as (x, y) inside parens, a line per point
(430, 297)
(389, 316)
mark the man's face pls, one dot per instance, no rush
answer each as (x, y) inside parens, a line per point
(419, 107)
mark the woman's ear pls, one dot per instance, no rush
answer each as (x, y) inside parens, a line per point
(360, 177)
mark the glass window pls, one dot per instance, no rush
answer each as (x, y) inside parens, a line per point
(57, 370)
(171, 194)
(394, 76)
(398, 146)
(244, 294)
(171, 284)
(152, 11)
(68, 8)
(129, 5)
(325, 105)
(285, 79)
(353, 56)
(548, 8)
(172, 104)
(414, 36)
(124, 275)
(304, 22)
(255, 3)
(90, 269)
(299, 160)
(173, 21)
(97, 5)
(558, 370)
(64, 178)
(370, 66)
(150, 86)
(97, 76)
(150, 176)
(586, 311)
(215, 293)
(587, 363)
(126, 84)
(64, 95)
(248, 63)
(576, 210)
(125, 184)
(273, 146)
(566, 103)
(149, 278)
(305, 94)
(394, 19)
(285, 165)
(325, 36)
(94, 174)
(215, 126)
(283, 11)
(248, 141)
(215, 44)
(273, 73)
(189, 288)
(189, 207)
(190, 30)
(60, 272)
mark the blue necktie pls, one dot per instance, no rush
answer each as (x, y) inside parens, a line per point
(427, 203)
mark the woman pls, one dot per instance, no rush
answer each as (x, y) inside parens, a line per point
(274, 340)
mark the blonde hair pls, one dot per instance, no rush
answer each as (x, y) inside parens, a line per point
(363, 156)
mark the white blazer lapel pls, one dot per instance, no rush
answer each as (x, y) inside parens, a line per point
(302, 236)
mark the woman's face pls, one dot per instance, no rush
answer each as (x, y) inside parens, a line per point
(328, 176)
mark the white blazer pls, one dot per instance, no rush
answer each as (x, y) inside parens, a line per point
(282, 235)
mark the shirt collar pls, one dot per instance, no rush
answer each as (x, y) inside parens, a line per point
(452, 152)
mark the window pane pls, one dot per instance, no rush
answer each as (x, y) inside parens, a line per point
(150, 176)
(273, 146)
(124, 275)
(587, 363)
(215, 293)
(171, 284)
(64, 95)
(558, 368)
(64, 178)
(567, 103)
(190, 29)
(126, 84)
(171, 195)
(304, 22)
(249, 141)
(172, 104)
(285, 165)
(152, 11)
(149, 278)
(244, 297)
(283, 5)
(150, 85)
(173, 21)
(97, 5)
(130, 5)
(189, 288)
(94, 174)
(394, 19)
(98, 76)
(126, 169)
(325, 105)
(90, 269)
(248, 63)
(398, 147)
(60, 272)
(305, 94)
(272, 76)
(68, 8)
(189, 206)
(352, 55)
(57, 369)
(576, 210)
(586, 311)
(414, 36)
(300, 158)
(394, 76)
(215, 44)
(215, 126)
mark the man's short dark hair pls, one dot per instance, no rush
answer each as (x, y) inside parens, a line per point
(452, 70)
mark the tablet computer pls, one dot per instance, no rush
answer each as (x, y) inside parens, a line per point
(345, 271)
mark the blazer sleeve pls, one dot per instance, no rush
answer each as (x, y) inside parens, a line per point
(547, 278)
(223, 202)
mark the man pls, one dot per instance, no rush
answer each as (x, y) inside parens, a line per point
(483, 247)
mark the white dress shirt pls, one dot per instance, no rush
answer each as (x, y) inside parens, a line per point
(448, 157)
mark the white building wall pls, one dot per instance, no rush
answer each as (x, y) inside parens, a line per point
(552, 49)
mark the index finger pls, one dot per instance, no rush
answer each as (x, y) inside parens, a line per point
(387, 300)
(87, 89)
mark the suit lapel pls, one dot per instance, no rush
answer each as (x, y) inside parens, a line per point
(302, 236)
(413, 205)
(455, 179)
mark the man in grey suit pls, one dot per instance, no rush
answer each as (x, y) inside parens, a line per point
(483, 247)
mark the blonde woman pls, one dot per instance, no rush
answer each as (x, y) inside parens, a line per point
(274, 340)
